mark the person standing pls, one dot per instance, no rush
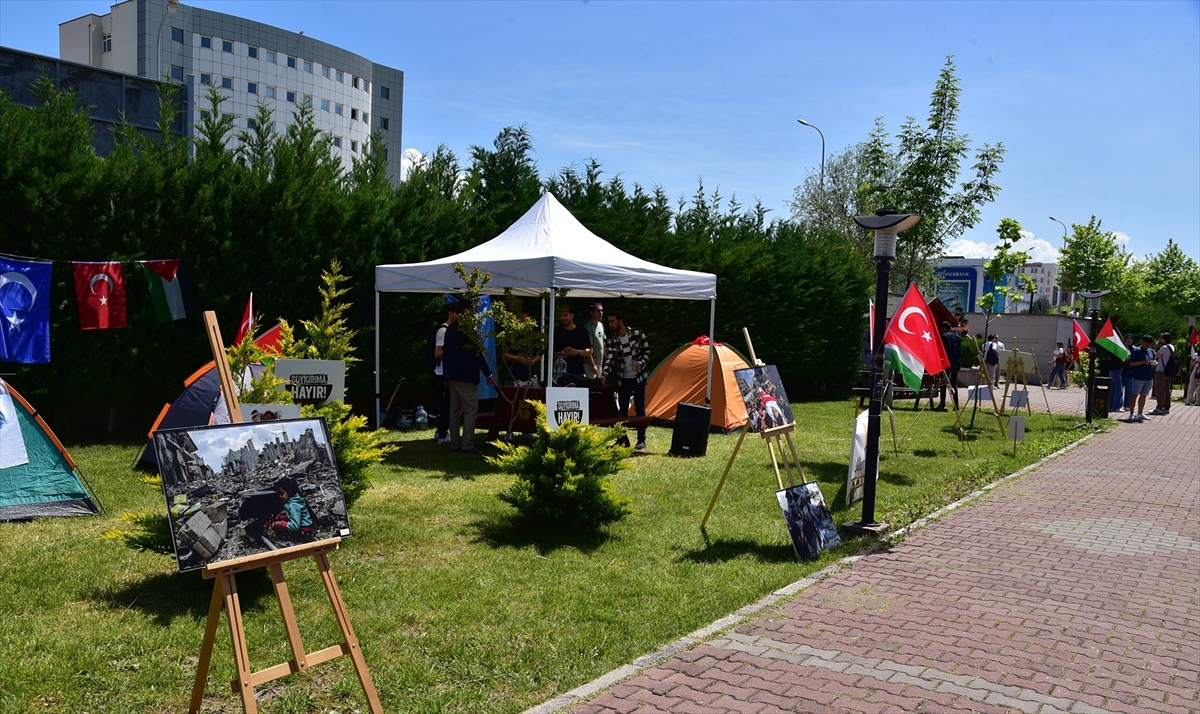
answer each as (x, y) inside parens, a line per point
(595, 329)
(953, 344)
(627, 354)
(573, 344)
(1162, 380)
(1141, 363)
(1192, 396)
(442, 431)
(1127, 375)
(462, 362)
(991, 359)
(1114, 367)
(1058, 366)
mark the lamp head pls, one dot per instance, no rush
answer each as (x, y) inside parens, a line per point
(803, 122)
(887, 225)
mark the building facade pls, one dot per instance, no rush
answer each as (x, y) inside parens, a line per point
(250, 64)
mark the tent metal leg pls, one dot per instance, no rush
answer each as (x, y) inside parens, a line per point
(378, 419)
(712, 322)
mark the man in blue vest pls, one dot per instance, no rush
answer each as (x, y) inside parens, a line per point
(462, 361)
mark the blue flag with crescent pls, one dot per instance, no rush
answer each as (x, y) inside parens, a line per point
(24, 311)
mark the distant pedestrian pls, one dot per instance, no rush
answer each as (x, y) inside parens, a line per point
(991, 359)
(1113, 366)
(1192, 396)
(442, 430)
(953, 345)
(627, 355)
(595, 330)
(1058, 366)
(1127, 375)
(1163, 375)
(1142, 364)
(462, 362)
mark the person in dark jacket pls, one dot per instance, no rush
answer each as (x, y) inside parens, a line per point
(953, 344)
(627, 356)
(462, 361)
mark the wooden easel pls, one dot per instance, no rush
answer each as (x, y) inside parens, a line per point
(987, 379)
(1015, 375)
(774, 438)
(225, 594)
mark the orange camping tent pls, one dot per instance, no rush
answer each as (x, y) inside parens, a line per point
(681, 378)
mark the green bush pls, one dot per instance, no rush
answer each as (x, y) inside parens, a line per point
(561, 477)
(355, 448)
(970, 352)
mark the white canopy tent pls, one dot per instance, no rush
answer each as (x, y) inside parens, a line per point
(548, 249)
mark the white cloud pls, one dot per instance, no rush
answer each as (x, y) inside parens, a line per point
(1121, 238)
(409, 159)
(1040, 250)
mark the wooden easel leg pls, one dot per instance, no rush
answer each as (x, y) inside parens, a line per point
(721, 483)
(241, 654)
(775, 463)
(1042, 384)
(299, 662)
(351, 642)
(795, 458)
(210, 636)
(892, 421)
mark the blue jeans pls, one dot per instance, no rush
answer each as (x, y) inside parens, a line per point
(1061, 371)
(1114, 389)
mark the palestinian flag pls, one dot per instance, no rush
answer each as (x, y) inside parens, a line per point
(1079, 338)
(165, 292)
(912, 344)
(1110, 339)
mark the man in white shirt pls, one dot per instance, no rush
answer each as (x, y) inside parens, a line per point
(442, 432)
(993, 368)
(1162, 381)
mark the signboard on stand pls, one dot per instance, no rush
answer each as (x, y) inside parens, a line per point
(809, 522)
(313, 381)
(564, 404)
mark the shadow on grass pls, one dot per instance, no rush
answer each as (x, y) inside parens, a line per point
(444, 464)
(166, 596)
(723, 549)
(515, 532)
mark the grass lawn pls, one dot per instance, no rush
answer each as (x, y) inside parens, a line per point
(458, 608)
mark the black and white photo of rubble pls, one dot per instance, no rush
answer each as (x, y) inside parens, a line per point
(234, 490)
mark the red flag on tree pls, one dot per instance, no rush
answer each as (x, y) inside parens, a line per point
(247, 324)
(912, 343)
(100, 292)
(1194, 338)
(1079, 337)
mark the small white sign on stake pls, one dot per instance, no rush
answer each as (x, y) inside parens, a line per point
(1016, 428)
(565, 404)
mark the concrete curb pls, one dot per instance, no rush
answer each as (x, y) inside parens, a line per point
(605, 681)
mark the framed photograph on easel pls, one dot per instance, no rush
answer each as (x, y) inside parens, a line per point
(767, 404)
(809, 522)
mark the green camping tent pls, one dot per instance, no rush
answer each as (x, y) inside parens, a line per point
(44, 481)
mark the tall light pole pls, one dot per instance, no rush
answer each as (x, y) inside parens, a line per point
(822, 147)
(1062, 293)
(172, 6)
(1093, 298)
(886, 224)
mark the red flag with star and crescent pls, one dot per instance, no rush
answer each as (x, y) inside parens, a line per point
(1079, 337)
(100, 292)
(247, 323)
(912, 344)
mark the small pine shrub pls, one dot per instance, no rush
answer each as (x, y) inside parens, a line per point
(562, 477)
(355, 448)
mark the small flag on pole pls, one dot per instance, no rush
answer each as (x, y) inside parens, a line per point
(1079, 337)
(912, 343)
(1110, 339)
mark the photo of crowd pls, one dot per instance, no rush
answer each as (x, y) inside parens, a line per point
(766, 401)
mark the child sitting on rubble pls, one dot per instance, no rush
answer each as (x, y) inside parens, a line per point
(294, 522)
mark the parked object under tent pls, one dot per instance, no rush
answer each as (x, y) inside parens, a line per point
(545, 250)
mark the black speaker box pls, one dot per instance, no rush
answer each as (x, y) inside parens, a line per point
(690, 437)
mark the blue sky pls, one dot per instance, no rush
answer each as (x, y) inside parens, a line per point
(1097, 103)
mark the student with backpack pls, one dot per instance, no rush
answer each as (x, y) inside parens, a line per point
(1165, 368)
(991, 359)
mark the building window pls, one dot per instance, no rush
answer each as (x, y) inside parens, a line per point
(385, 93)
(354, 114)
(337, 109)
(106, 43)
(337, 75)
(383, 123)
(291, 96)
(308, 66)
(366, 119)
(206, 42)
(271, 56)
(291, 62)
(325, 105)
(227, 46)
(325, 71)
(226, 82)
(269, 91)
(337, 141)
(308, 100)
(354, 82)
(205, 79)
(227, 116)
(204, 114)
(385, 154)
(252, 87)
(252, 52)
(177, 35)
(177, 73)
(354, 146)
(366, 86)
(251, 124)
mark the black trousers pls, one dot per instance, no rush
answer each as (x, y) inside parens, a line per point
(952, 373)
(635, 390)
(443, 415)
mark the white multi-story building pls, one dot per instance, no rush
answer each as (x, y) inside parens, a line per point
(250, 63)
(1045, 276)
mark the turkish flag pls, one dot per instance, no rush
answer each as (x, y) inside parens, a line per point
(247, 323)
(100, 292)
(1079, 337)
(1194, 338)
(912, 329)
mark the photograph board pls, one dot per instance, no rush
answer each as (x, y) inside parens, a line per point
(1018, 398)
(234, 490)
(856, 474)
(565, 404)
(809, 523)
(767, 404)
(313, 381)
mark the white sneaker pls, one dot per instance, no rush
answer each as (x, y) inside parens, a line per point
(444, 440)
(1122, 409)
(640, 446)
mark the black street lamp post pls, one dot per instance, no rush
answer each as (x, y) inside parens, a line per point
(822, 147)
(1093, 298)
(887, 225)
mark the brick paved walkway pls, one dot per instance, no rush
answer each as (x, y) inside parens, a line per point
(1073, 588)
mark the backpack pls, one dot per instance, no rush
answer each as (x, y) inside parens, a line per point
(992, 357)
(431, 348)
(1171, 366)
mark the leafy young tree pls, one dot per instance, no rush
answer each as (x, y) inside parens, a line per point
(921, 174)
(831, 204)
(1091, 259)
